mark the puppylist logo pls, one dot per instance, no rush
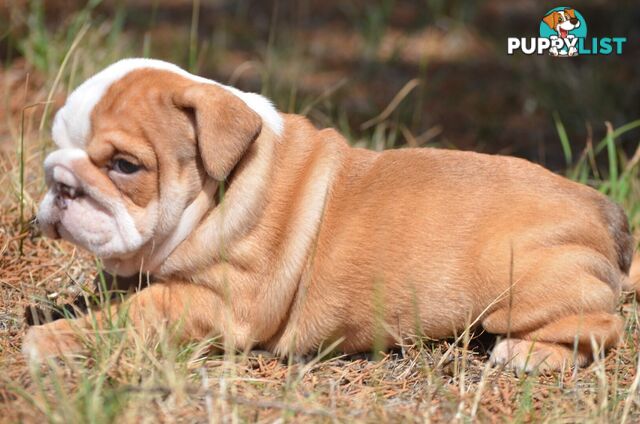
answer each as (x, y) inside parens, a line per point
(563, 33)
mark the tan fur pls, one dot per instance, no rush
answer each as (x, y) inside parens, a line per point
(316, 241)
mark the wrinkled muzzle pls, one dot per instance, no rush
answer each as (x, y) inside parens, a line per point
(85, 208)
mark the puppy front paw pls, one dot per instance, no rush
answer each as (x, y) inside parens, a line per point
(54, 339)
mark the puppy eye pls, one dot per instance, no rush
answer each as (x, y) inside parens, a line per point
(125, 167)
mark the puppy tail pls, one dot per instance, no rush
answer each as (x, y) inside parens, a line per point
(625, 242)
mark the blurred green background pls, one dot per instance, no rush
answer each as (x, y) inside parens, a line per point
(434, 72)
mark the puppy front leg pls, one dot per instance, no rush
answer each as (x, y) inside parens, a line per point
(191, 312)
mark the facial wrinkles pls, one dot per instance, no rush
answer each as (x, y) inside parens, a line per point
(99, 187)
(73, 168)
(173, 216)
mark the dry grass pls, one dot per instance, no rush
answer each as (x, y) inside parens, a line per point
(128, 380)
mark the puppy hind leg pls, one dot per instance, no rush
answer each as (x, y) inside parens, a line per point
(562, 343)
(563, 298)
(525, 355)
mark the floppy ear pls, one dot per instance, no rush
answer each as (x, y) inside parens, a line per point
(570, 12)
(551, 20)
(225, 126)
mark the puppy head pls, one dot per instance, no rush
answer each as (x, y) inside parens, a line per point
(562, 21)
(138, 144)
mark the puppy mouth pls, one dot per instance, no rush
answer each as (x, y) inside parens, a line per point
(66, 194)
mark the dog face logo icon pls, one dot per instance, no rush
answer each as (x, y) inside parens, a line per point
(563, 26)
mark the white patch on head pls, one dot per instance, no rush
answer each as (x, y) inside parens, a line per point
(72, 124)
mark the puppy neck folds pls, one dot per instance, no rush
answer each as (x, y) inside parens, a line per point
(208, 226)
(150, 259)
(189, 221)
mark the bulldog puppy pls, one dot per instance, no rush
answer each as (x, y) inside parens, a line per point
(265, 231)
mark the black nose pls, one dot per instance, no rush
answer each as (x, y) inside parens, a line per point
(68, 192)
(574, 21)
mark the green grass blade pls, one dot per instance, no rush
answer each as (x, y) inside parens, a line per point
(612, 155)
(564, 139)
